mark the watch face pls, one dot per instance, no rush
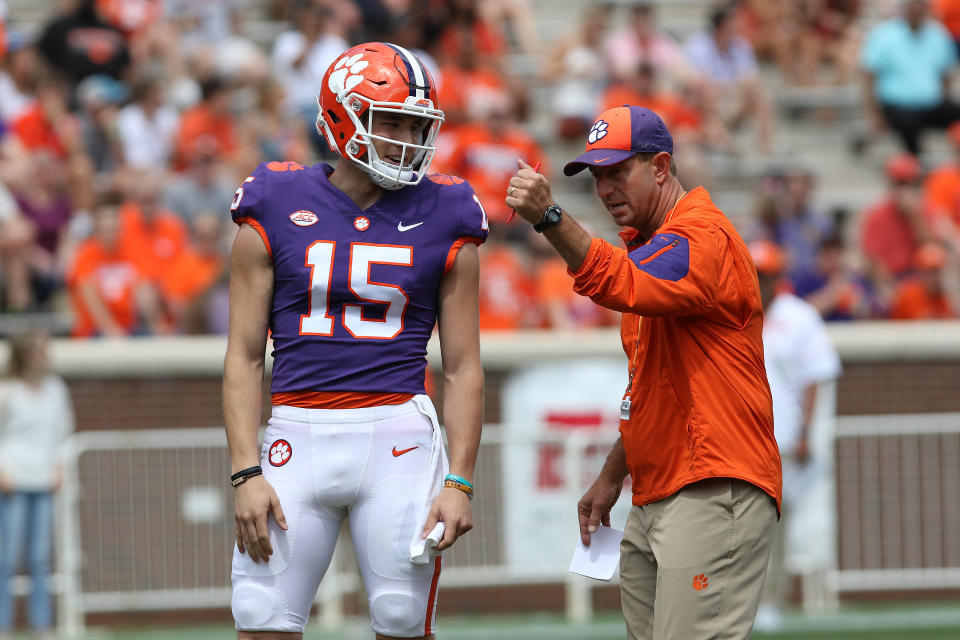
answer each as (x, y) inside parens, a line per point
(551, 216)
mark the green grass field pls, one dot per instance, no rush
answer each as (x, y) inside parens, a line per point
(934, 622)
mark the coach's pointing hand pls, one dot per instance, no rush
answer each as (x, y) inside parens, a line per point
(529, 193)
(254, 500)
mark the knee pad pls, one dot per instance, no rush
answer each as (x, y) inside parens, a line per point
(397, 614)
(257, 608)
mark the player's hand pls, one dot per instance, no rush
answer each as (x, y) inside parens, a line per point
(528, 193)
(452, 508)
(254, 500)
(594, 507)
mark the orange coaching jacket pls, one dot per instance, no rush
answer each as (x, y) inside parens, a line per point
(700, 404)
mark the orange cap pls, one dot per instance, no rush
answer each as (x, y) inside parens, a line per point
(768, 257)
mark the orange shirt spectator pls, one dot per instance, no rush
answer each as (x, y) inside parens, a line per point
(155, 243)
(190, 274)
(462, 88)
(212, 118)
(486, 155)
(485, 40)
(102, 271)
(674, 113)
(913, 300)
(923, 296)
(562, 308)
(37, 133)
(506, 290)
(941, 191)
(641, 88)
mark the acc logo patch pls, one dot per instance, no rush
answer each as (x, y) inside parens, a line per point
(303, 218)
(280, 453)
(361, 223)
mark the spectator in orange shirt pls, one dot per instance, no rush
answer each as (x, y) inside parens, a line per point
(48, 124)
(506, 288)
(108, 293)
(212, 117)
(559, 305)
(467, 79)
(466, 21)
(892, 230)
(693, 125)
(151, 236)
(487, 150)
(941, 191)
(193, 273)
(928, 295)
(641, 88)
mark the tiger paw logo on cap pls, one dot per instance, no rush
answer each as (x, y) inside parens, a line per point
(597, 132)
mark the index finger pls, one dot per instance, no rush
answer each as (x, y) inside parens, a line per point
(263, 538)
(523, 165)
(583, 513)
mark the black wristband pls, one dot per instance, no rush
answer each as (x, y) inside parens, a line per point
(244, 474)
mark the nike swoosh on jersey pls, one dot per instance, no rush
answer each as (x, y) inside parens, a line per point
(403, 451)
(405, 227)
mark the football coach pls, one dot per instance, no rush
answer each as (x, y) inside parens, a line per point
(696, 420)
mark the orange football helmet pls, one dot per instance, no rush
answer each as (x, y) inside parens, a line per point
(371, 77)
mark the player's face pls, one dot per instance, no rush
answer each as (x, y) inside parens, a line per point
(400, 127)
(629, 190)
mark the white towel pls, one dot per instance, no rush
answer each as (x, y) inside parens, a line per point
(422, 550)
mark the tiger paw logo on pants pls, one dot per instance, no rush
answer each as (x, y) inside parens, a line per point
(700, 582)
(280, 452)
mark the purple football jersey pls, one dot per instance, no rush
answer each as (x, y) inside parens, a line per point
(355, 291)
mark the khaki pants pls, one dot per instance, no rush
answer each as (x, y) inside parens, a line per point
(692, 564)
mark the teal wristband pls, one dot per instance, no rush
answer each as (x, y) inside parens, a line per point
(456, 478)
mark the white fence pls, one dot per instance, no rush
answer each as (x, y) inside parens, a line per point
(898, 503)
(148, 525)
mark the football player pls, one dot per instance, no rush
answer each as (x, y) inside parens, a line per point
(349, 268)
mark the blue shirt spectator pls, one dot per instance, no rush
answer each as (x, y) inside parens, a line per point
(909, 64)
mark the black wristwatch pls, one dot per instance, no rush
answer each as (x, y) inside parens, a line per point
(551, 216)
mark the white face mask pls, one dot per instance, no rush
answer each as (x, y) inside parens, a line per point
(415, 159)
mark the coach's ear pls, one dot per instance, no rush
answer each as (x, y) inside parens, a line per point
(661, 164)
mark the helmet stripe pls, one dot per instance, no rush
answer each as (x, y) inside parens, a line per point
(420, 85)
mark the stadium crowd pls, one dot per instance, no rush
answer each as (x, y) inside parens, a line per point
(126, 126)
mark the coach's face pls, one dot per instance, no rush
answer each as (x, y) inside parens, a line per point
(630, 190)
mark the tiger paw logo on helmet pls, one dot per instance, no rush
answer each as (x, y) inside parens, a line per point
(346, 73)
(597, 131)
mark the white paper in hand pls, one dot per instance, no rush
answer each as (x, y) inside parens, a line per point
(601, 558)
